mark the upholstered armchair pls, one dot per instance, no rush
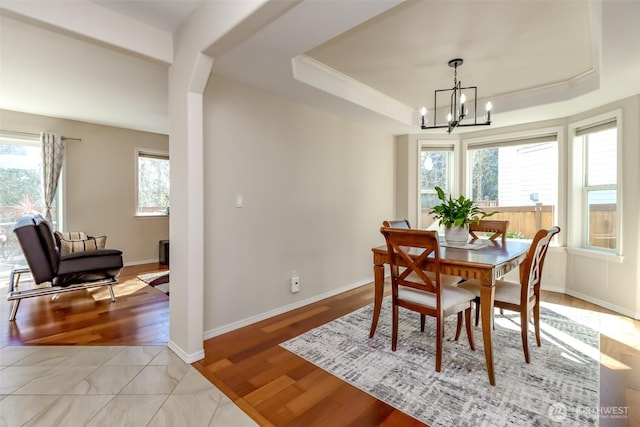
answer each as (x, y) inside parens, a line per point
(65, 270)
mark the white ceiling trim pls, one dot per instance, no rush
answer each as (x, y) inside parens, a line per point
(95, 22)
(327, 79)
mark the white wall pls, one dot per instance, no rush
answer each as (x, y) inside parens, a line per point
(316, 189)
(99, 182)
(40, 65)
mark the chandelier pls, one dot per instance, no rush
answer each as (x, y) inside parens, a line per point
(458, 108)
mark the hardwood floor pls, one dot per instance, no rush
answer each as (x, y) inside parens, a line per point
(140, 316)
(273, 386)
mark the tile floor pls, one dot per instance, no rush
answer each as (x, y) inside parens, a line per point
(108, 386)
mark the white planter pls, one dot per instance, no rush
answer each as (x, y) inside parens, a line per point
(456, 235)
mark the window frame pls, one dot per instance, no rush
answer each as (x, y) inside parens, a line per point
(437, 145)
(145, 152)
(507, 139)
(578, 212)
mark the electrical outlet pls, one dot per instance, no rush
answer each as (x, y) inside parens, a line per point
(295, 282)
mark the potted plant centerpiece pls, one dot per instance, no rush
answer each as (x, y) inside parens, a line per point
(456, 215)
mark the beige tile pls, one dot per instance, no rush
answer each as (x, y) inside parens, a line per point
(194, 383)
(17, 410)
(156, 380)
(135, 355)
(167, 357)
(228, 414)
(91, 356)
(14, 377)
(127, 410)
(56, 380)
(186, 410)
(46, 356)
(106, 380)
(108, 386)
(12, 354)
(70, 411)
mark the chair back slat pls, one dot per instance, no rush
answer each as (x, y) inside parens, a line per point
(531, 268)
(408, 253)
(497, 227)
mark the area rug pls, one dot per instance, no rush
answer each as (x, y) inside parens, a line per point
(560, 385)
(157, 279)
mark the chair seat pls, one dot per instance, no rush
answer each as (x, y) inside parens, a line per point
(88, 266)
(452, 297)
(445, 279)
(508, 292)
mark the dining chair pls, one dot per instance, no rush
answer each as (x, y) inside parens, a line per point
(497, 227)
(414, 290)
(522, 297)
(446, 279)
(397, 223)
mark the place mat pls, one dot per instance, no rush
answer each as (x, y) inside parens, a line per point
(469, 245)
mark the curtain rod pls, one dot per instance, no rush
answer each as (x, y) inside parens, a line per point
(11, 132)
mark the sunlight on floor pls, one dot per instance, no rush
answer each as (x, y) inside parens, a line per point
(617, 327)
(120, 289)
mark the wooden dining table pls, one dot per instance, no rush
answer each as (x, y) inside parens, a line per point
(486, 262)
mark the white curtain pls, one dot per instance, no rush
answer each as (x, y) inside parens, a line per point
(52, 157)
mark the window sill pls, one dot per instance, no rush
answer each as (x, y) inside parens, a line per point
(158, 215)
(604, 256)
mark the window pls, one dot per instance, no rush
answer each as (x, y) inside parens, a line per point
(517, 179)
(153, 183)
(435, 169)
(20, 192)
(596, 165)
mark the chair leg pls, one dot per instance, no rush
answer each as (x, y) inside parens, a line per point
(394, 328)
(477, 301)
(422, 322)
(439, 332)
(536, 321)
(458, 325)
(14, 309)
(524, 328)
(467, 323)
(113, 297)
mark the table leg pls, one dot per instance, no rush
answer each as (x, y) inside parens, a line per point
(487, 293)
(378, 280)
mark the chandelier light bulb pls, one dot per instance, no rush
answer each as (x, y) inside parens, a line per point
(423, 113)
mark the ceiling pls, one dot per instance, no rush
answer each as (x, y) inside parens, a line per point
(166, 15)
(533, 59)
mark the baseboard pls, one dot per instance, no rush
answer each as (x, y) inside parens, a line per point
(147, 261)
(187, 358)
(262, 316)
(604, 304)
(560, 290)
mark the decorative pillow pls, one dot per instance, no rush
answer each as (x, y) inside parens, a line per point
(71, 235)
(69, 246)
